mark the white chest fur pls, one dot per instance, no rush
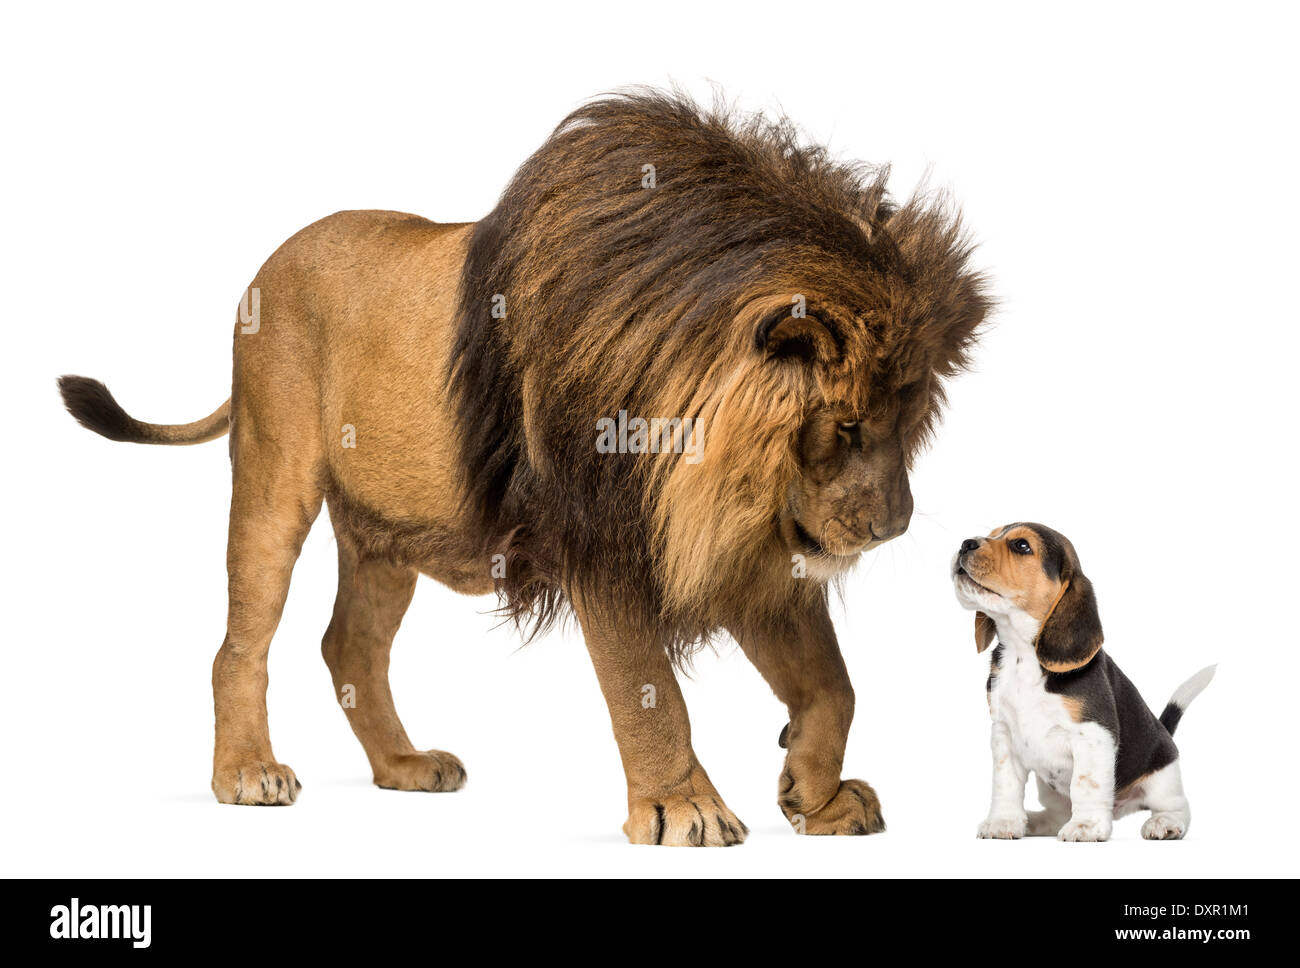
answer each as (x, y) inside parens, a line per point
(1039, 722)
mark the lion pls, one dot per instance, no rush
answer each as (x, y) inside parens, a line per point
(440, 388)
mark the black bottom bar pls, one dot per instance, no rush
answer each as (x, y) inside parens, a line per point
(252, 919)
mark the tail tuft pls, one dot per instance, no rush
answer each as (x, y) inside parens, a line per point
(95, 409)
(1183, 696)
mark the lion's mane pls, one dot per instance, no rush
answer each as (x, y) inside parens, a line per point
(653, 300)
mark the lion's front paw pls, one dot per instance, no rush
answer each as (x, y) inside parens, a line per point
(256, 784)
(695, 820)
(1003, 828)
(432, 771)
(854, 811)
(1085, 830)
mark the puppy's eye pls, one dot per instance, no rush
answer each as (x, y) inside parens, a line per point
(1021, 547)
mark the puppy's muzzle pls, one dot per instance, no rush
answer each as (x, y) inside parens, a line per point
(959, 560)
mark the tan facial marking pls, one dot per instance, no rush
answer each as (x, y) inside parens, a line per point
(1016, 577)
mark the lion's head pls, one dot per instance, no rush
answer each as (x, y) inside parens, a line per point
(657, 260)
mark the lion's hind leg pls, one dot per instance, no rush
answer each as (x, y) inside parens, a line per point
(276, 497)
(372, 598)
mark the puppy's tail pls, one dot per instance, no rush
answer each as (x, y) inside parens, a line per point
(95, 409)
(1183, 696)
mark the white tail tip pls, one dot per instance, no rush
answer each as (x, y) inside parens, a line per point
(1192, 688)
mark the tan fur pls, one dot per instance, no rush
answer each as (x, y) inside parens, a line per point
(1052, 666)
(446, 440)
(319, 362)
(1133, 789)
(670, 798)
(800, 659)
(356, 322)
(1019, 578)
(355, 325)
(713, 516)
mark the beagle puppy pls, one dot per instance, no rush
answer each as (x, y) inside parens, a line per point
(1060, 706)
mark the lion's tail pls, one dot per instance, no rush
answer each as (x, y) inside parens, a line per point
(95, 409)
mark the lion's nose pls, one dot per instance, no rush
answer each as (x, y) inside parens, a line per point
(897, 516)
(888, 531)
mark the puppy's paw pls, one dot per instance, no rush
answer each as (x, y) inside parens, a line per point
(1085, 830)
(693, 820)
(432, 771)
(1003, 828)
(256, 784)
(1163, 826)
(854, 811)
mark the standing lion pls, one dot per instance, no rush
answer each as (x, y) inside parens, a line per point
(440, 387)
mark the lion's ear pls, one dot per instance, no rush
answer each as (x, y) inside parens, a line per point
(985, 631)
(803, 337)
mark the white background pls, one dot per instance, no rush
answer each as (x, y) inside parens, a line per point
(1130, 173)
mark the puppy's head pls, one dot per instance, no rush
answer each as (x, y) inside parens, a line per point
(1031, 573)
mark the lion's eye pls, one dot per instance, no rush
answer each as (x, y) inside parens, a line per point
(848, 424)
(1021, 547)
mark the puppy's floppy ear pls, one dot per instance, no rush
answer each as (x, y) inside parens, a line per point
(985, 630)
(1071, 633)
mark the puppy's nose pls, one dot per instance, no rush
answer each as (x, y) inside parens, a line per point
(970, 544)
